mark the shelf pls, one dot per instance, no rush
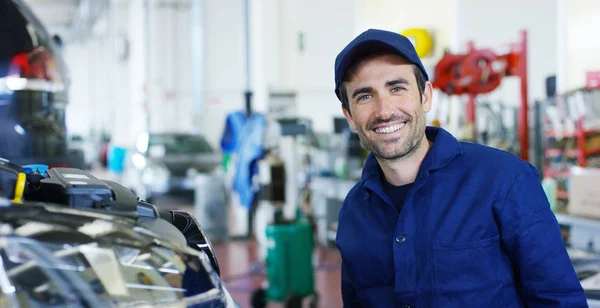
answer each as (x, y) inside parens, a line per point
(592, 152)
(583, 232)
(572, 153)
(562, 194)
(556, 172)
(567, 219)
(570, 134)
(553, 134)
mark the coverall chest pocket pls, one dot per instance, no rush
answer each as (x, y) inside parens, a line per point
(470, 274)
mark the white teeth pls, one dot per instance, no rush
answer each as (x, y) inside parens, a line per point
(390, 129)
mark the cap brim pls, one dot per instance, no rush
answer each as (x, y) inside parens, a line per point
(361, 51)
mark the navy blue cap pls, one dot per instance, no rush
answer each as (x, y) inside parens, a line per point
(374, 40)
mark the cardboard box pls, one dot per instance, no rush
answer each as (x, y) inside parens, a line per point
(584, 192)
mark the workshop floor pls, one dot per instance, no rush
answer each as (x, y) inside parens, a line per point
(242, 273)
(238, 270)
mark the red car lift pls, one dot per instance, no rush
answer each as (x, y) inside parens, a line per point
(481, 71)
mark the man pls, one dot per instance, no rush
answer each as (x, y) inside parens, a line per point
(435, 222)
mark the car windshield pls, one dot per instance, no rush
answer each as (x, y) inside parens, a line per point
(180, 143)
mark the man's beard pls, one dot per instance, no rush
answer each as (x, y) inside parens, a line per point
(411, 139)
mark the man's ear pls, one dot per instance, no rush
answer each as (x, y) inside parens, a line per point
(349, 118)
(427, 97)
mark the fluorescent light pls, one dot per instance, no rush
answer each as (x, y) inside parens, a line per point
(139, 161)
(19, 129)
(142, 142)
(16, 83)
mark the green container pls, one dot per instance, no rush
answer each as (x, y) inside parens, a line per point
(289, 260)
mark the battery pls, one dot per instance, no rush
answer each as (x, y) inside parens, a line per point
(74, 188)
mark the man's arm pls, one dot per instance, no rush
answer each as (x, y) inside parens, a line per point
(533, 239)
(348, 292)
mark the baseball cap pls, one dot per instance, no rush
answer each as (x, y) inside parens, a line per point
(370, 41)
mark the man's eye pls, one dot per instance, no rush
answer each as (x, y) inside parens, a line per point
(364, 97)
(396, 89)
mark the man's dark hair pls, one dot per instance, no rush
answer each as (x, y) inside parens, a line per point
(420, 77)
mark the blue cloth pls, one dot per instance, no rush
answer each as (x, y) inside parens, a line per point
(476, 230)
(234, 124)
(116, 159)
(250, 150)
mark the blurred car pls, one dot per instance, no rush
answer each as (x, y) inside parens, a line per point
(168, 162)
(33, 91)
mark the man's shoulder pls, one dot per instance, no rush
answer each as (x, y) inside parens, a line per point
(489, 159)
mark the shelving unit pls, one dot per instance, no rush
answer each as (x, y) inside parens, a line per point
(579, 146)
(584, 233)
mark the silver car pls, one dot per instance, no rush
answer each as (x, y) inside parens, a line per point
(167, 162)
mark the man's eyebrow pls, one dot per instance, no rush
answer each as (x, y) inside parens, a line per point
(361, 90)
(397, 82)
(387, 84)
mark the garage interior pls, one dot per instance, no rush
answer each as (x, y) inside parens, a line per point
(226, 109)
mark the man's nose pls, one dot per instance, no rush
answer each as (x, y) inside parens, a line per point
(384, 107)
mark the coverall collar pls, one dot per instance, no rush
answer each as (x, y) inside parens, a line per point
(444, 149)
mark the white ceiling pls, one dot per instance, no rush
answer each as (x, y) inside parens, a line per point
(54, 14)
(71, 19)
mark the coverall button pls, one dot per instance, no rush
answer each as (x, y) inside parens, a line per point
(405, 306)
(400, 239)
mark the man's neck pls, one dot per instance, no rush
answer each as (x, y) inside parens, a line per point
(404, 171)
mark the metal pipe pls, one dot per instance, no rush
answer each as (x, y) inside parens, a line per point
(524, 110)
(198, 52)
(471, 102)
(248, 92)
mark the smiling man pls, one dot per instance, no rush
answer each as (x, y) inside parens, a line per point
(435, 222)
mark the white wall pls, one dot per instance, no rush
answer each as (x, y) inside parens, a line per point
(79, 110)
(106, 94)
(169, 66)
(134, 72)
(327, 27)
(582, 46)
(224, 64)
(92, 101)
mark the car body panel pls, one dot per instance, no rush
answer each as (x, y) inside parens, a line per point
(57, 256)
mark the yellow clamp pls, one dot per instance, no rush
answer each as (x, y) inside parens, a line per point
(20, 187)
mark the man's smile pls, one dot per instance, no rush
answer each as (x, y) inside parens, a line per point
(389, 128)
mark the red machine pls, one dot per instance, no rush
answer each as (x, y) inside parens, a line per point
(480, 71)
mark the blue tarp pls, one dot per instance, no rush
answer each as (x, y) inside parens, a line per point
(247, 141)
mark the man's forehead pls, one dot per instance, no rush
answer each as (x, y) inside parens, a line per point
(374, 73)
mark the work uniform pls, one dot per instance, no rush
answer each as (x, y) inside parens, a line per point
(475, 230)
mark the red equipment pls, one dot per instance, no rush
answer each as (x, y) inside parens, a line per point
(481, 71)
